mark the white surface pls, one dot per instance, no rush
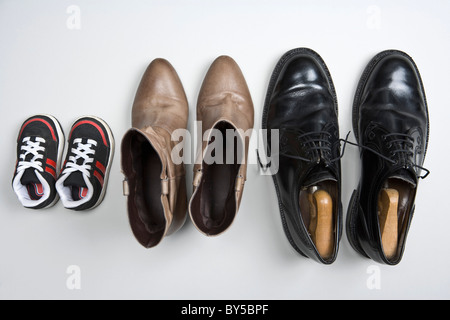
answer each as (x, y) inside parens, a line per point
(46, 67)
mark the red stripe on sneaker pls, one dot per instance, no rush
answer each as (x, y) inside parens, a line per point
(100, 167)
(52, 163)
(51, 171)
(41, 120)
(99, 177)
(91, 123)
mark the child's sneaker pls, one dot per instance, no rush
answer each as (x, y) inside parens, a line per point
(39, 151)
(84, 176)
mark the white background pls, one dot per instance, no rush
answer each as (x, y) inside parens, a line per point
(47, 67)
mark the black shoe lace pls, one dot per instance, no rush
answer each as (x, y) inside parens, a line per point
(404, 144)
(403, 140)
(316, 141)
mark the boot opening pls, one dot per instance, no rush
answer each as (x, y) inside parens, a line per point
(214, 205)
(142, 167)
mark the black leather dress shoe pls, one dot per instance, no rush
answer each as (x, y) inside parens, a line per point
(390, 121)
(301, 103)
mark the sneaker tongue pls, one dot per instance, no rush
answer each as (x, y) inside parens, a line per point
(318, 174)
(78, 187)
(29, 177)
(75, 179)
(33, 184)
(405, 175)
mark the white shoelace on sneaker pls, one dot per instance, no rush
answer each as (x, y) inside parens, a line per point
(83, 151)
(34, 148)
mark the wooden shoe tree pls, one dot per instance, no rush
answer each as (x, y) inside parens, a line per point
(321, 223)
(388, 219)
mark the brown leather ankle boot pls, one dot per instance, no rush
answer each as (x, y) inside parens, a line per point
(225, 110)
(155, 186)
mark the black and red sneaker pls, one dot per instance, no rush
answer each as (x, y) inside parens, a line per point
(84, 176)
(39, 151)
